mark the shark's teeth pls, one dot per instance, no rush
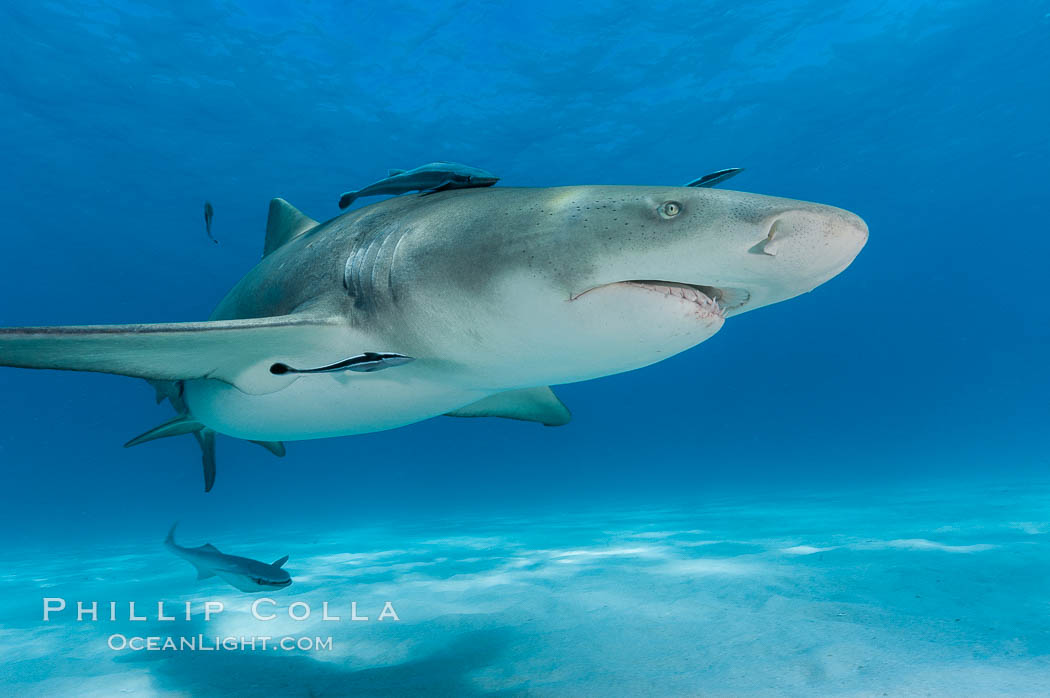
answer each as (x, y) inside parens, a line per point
(683, 291)
(709, 298)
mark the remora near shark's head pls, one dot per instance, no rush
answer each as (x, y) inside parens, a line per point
(466, 302)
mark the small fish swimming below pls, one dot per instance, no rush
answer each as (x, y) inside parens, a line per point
(717, 177)
(428, 179)
(209, 213)
(240, 572)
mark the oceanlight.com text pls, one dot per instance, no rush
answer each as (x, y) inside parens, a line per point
(201, 643)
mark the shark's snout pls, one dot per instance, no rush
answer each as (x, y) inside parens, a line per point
(817, 233)
(800, 248)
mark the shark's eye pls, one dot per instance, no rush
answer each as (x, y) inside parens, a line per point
(670, 209)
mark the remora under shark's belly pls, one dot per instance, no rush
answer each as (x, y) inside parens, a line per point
(320, 406)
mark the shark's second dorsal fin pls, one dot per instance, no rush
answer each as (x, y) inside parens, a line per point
(209, 547)
(284, 223)
(394, 172)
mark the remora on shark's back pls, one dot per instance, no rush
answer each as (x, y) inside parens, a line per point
(430, 178)
(715, 178)
(467, 303)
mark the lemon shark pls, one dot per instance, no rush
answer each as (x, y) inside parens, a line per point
(468, 302)
(242, 573)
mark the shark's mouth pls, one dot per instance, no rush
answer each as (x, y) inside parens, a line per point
(711, 299)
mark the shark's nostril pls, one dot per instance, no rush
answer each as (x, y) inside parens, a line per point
(768, 246)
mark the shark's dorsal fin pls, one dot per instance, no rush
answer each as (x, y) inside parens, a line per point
(280, 563)
(529, 404)
(394, 173)
(284, 223)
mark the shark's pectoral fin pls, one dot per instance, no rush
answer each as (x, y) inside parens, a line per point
(280, 562)
(530, 405)
(275, 447)
(239, 352)
(447, 184)
(183, 424)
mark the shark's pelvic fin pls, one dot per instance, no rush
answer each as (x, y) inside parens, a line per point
(183, 424)
(239, 352)
(284, 223)
(165, 389)
(280, 563)
(274, 447)
(529, 404)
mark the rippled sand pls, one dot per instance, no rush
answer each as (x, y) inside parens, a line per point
(927, 593)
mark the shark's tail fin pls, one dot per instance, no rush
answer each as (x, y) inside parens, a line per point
(170, 540)
(347, 198)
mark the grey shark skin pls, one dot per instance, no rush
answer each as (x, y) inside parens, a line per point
(239, 572)
(434, 177)
(494, 293)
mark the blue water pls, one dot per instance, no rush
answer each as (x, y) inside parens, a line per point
(844, 493)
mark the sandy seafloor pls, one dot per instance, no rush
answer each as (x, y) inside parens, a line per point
(920, 592)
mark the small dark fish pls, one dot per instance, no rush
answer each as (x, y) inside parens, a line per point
(209, 213)
(717, 177)
(435, 177)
